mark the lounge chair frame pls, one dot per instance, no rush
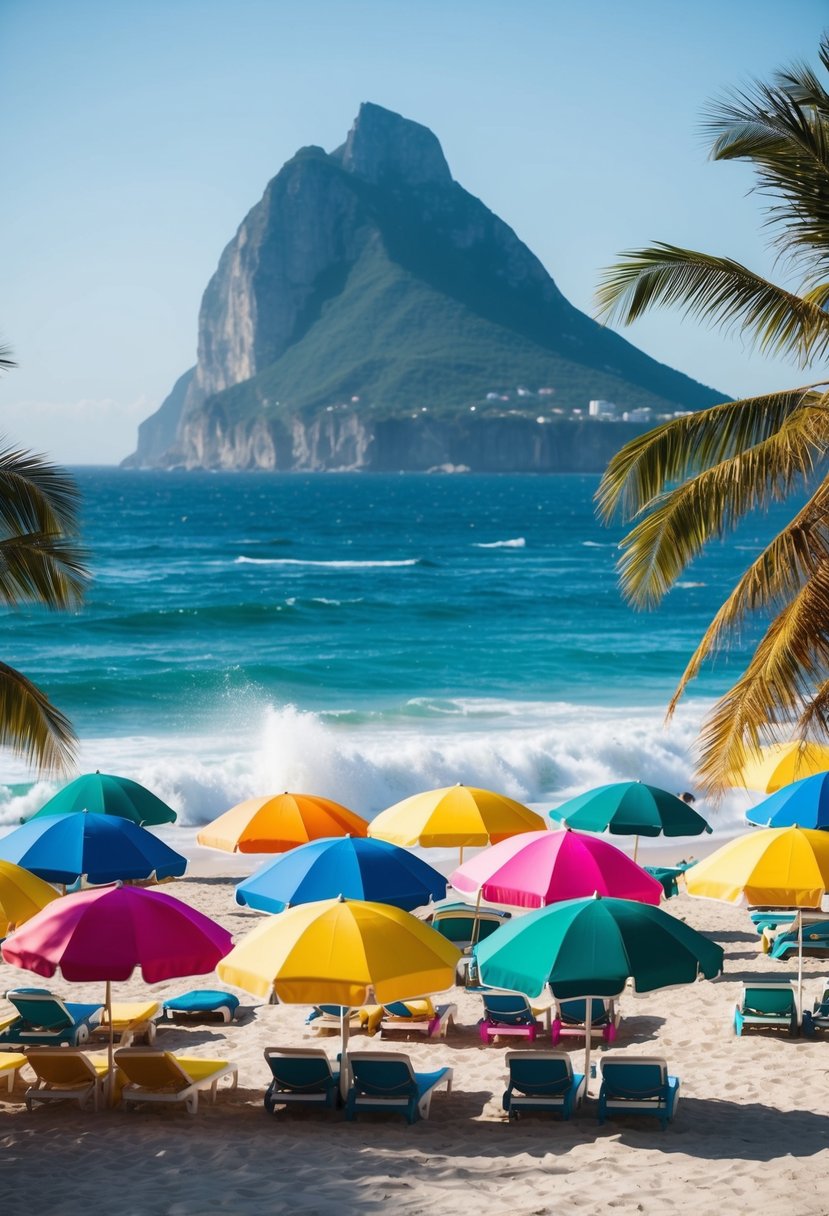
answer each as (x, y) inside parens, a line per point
(604, 1025)
(89, 1086)
(520, 1022)
(78, 1020)
(434, 1025)
(323, 1090)
(189, 1088)
(411, 1098)
(660, 1101)
(521, 1095)
(747, 1016)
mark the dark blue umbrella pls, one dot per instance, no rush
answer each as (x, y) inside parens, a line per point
(100, 848)
(351, 866)
(804, 804)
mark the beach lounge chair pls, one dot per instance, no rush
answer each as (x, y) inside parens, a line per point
(570, 1018)
(542, 1080)
(815, 940)
(11, 1063)
(667, 876)
(160, 1076)
(385, 1081)
(773, 1006)
(419, 1016)
(67, 1075)
(507, 1013)
(817, 1018)
(302, 1076)
(637, 1085)
(45, 1020)
(456, 922)
(201, 1004)
(131, 1020)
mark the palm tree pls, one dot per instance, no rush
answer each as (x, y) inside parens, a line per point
(695, 477)
(40, 562)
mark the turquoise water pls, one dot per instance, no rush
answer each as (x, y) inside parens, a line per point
(365, 636)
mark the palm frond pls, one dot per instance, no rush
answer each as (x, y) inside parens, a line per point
(36, 495)
(715, 290)
(7, 362)
(679, 524)
(32, 726)
(42, 568)
(639, 472)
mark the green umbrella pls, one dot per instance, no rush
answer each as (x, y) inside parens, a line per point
(102, 794)
(592, 947)
(631, 808)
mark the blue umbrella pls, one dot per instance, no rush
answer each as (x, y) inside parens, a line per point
(101, 848)
(352, 866)
(804, 804)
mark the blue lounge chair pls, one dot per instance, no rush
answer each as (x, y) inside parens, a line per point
(815, 940)
(637, 1085)
(542, 1080)
(46, 1020)
(419, 1016)
(571, 1018)
(773, 1006)
(202, 1003)
(302, 1076)
(384, 1081)
(817, 1018)
(770, 918)
(507, 1013)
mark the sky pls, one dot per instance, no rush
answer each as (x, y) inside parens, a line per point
(138, 134)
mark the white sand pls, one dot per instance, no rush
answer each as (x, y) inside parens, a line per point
(751, 1134)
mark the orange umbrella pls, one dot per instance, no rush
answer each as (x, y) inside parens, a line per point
(278, 823)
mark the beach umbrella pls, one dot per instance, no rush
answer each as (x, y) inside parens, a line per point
(22, 894)
(354, 867)
(776, 867)
(631, 808)
(592, 947)
(103, 935)
(342, 952)
(457, 816)
(804, 804)
(104, 794)
(100, 848)
(779, 764)
(539, 868)
(278, 823)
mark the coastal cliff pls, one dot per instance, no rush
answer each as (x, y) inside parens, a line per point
(371, 314)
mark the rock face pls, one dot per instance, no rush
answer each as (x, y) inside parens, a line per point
(365, 303)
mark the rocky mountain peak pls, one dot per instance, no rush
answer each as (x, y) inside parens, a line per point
(383, 146)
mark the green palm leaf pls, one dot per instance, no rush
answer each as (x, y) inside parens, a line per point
(32, 726)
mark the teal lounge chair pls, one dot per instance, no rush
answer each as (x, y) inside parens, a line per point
(542, 1080)
(507, 1013)
(815, 940)
(202, 1003)
(456, 922)
(45, 1020)
(667, 876)
(817, 1018)
(773, 1006)
(302, 1076)
(570, 1018)
(637, 1085)
(385, 1081)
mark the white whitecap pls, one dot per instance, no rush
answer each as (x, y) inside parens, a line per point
(517, 542)
(334, 565)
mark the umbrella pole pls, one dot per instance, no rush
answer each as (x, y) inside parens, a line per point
(110, 1085)
(588, 1043)
(476, 922)
(345, 1026)
(799, 963)
(635, 847)
(460, 856)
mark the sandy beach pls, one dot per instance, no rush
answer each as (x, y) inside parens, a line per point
(752, 1114)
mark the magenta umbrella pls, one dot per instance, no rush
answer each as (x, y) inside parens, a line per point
(106, 933)
(540, 868)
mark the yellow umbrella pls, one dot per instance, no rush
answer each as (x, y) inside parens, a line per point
(779, 867)
(781, 763)
(21, 895)
(341, 952)
(278, 823)
(457, 816)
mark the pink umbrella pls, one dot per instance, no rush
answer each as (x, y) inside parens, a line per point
(106, 933)
(539, 868)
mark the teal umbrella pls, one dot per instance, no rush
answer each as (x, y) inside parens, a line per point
(592, 947)
(631, 808)
(103, 794)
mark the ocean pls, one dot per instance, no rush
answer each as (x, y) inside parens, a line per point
(365, 637)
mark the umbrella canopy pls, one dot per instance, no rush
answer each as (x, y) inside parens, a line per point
(780, 867)
(781, 763)
(103, 794)
(458, 816)
(802, 804)
(631, 808)
(539, 868)
(21, 895)
(101, 848)
(356, 868)
(278, 823)
(593, 947)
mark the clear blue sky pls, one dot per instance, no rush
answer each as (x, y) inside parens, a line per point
(138, 133)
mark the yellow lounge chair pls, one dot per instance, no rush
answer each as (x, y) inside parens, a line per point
(64, 1074)
(131, 1020)
(160, 1076)
(10, 1063)
(420, 1015)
